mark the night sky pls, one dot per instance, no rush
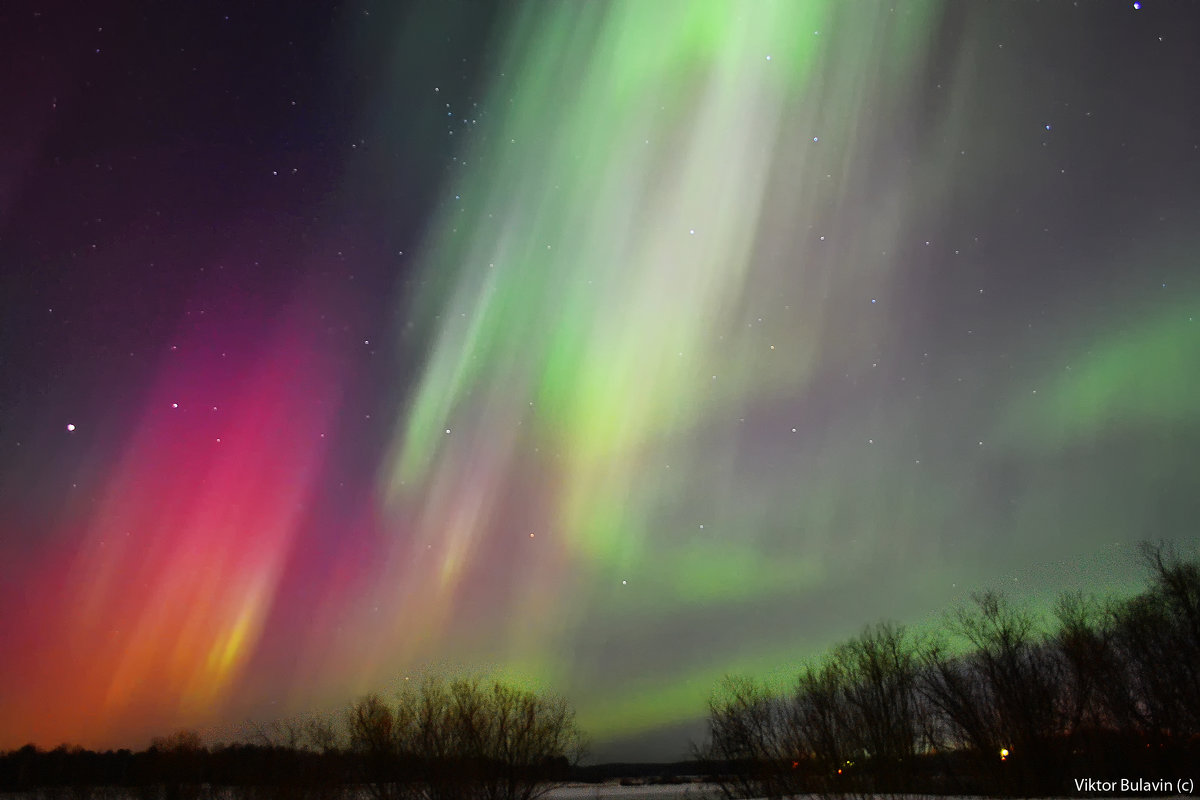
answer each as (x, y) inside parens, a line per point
(609, 347)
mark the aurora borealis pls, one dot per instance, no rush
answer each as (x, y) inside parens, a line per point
(611, 346)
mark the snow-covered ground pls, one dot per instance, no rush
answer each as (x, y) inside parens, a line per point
(615, 791)
(684, 791)
(598, 791)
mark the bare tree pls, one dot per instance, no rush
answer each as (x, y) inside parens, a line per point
(749, 749)
(1004, 698)
(321, 734)
(1086, 650)
(1165, 624)
(820, 719)
(465, 740)
(378, 736)
(886, 717)
(854, 724)
(301, 760)
(953, 687)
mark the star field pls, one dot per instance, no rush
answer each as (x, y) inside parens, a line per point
(612, 347)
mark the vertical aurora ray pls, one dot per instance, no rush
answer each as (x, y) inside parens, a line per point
(733, 325)
(632, 264)
(147, 615)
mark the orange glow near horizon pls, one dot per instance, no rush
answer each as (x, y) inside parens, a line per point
(156, 602)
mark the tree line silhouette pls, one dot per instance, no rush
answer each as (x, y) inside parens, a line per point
(438, 740)
(1110, 691)
(994, 704)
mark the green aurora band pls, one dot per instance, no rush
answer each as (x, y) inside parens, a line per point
(652, 312)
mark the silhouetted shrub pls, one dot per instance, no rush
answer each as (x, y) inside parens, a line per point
(1114, 690)
(462, 740)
